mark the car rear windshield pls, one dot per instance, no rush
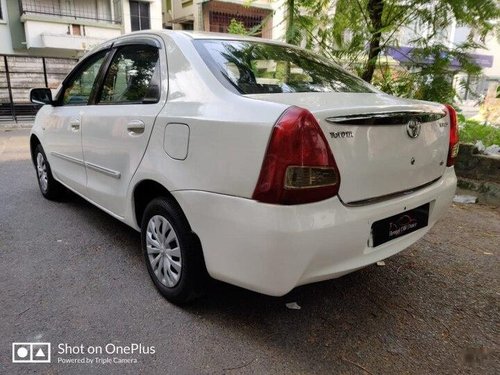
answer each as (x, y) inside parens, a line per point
(264, 68)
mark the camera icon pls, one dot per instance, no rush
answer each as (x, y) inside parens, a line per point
(31, 352)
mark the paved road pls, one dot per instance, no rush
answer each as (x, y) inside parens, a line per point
(71, 274)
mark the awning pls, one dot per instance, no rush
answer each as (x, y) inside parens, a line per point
(405, 55)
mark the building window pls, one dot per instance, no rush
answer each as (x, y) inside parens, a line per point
(139, 15)
(78, 30)
(187, 26)
(95, 10)
(1, 15)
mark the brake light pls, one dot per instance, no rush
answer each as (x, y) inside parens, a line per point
(454, 139)
(298, 165)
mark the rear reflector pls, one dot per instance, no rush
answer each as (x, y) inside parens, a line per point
(454, 138)
(307, 177)
(298, 165)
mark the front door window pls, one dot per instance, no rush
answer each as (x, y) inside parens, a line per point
(77, 91)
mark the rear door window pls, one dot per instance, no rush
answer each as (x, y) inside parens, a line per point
(133, 76)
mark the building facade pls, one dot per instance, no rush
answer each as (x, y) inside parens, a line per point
(68, 28)
(40, 41)
(216, 15)
(488, 58)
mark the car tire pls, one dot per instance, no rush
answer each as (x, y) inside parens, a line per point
(172, 252)
(49, 187)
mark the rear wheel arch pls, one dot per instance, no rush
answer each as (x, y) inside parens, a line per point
(147, 190)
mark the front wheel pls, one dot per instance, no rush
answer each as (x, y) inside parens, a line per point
(173, 255)
(49, 187)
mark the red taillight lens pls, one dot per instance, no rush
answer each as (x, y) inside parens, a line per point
(453, 149)
(298, 166)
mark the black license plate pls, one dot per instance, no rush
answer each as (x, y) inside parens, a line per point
(399, 225)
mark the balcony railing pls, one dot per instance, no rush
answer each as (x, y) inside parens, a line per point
(93, 10)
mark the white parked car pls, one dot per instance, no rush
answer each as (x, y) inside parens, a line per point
(256, 162)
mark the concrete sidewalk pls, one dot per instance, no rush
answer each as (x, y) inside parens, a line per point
(11, 124)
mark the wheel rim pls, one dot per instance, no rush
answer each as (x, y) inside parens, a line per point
(164, 252)
(41, 167)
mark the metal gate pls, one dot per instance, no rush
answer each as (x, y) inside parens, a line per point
(19, 74)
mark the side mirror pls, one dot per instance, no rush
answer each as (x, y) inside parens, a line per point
(41, 96)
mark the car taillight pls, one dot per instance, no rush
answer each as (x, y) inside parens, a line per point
(298, 165)
(453, 149)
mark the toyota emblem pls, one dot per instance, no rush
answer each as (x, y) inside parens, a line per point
(413, 128)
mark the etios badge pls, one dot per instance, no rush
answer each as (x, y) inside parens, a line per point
(413, 128)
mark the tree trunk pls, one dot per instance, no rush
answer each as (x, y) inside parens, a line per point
(375, 9)
(289, 37)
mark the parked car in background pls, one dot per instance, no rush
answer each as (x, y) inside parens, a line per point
(252, 161)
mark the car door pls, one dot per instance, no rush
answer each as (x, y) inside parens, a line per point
(62, 135)
(116, 128)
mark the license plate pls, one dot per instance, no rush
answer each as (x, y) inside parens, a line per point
(399, 225)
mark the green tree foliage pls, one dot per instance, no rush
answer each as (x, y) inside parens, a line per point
(237, 27)
(428, 76)
(356, 33)
(472, 131)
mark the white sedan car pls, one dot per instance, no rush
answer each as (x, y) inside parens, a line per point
(255, 162)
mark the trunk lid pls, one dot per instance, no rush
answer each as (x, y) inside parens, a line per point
(382, 144)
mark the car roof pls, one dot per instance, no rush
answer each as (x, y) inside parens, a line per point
(212, 35)
(206, 35)
(186, 35)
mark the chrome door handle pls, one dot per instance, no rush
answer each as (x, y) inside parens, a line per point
(135, 127)
(74, 125)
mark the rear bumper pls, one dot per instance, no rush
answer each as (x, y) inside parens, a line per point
(271, 249)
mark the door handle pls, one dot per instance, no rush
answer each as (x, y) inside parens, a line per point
(135, 127)
(74, 125)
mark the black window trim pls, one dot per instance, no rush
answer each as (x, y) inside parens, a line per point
(116, 47)
(96, 93)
